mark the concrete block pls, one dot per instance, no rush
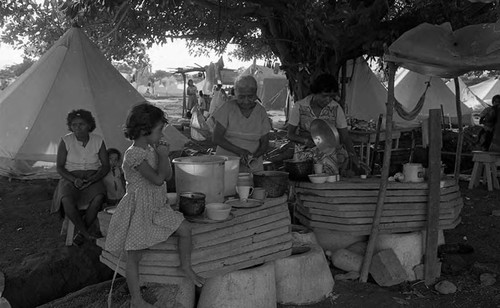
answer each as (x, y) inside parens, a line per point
(386, 269)
(304, 277)
(248, 288)
(347, 260)
(333, 240)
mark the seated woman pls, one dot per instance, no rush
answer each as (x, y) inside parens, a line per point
(242, 126)
(321, 104)
(82, 162)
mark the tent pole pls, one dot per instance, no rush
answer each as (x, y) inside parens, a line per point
(383, 179)
(458, 155)
(184, 95)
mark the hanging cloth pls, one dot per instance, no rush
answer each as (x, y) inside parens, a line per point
(410, 115)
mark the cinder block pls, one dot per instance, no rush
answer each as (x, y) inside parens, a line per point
(386, 269)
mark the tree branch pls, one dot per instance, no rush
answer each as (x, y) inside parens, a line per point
(125, 7)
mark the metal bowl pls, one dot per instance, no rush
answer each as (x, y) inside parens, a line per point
(325, 135)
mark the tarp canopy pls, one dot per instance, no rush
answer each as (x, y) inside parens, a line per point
(365, 95)
(467, 96)
(272, 86)
(437, 50)
(409, 87)
(72, 74)
(487, 89)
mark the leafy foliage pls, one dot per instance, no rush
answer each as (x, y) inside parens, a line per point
(308, 37)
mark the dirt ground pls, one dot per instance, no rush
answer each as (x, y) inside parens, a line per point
(28, 232)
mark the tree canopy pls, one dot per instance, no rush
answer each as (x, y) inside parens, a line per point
(309, 37)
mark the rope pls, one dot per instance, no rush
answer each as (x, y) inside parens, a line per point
(410, 115)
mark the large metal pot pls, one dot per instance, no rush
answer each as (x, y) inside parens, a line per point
(325, 135)
(203, 174)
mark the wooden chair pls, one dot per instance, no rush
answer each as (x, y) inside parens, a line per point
(487, 161)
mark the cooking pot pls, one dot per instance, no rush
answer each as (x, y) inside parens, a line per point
(325, 135)
(192, 203)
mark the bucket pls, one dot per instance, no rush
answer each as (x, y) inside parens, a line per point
(203, 174)
(231, 170)
(413, 172)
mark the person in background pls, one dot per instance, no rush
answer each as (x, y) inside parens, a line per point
(321, 104)
(114, 180)
(192, 94)
(143, 217)
(488, 118)
(242, 126)
(82, 162)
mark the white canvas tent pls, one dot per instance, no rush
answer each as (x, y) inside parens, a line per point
(467, 97)
(408, 89)
(487, 89)
(272, 87)
(72, 74)
(365, 95)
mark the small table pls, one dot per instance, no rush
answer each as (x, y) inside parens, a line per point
(366, 137)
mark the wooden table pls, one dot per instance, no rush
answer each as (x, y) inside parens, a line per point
(365, 138)
(253, 236)
(348, 206)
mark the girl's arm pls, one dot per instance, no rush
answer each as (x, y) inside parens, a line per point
(164, 170)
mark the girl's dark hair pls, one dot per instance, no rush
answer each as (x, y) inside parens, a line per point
(81, 114)
(141, 120)
(115, 151)
(496, 97)
(324, 83)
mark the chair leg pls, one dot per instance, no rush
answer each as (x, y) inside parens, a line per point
(487, 171)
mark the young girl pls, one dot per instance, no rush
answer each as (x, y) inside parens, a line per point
(114, 180)
(142, 218)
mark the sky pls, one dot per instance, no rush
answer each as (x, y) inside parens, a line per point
(166, 57)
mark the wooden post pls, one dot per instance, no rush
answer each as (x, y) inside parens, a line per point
(184, 94)
(431, 243)
(383, 180)
(460, 141)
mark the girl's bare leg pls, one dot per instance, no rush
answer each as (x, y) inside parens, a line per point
(132, 274)
(184, 232)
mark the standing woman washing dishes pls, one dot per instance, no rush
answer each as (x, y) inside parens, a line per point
(321, 104)
(242, 126)
(82, 162)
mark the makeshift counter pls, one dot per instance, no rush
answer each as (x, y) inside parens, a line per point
(252, 236)
(348, 206)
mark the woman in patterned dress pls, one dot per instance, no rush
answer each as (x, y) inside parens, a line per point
(143, 218)
(321, 104)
